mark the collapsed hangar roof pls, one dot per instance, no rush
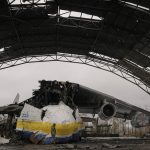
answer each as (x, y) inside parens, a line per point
(113, 32)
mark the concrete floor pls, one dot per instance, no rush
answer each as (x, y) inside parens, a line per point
(89, 143)
(75, 147)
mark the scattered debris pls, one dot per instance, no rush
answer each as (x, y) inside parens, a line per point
(3, 140)
(106, 145)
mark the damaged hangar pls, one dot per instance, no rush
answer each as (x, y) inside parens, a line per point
(113, 35)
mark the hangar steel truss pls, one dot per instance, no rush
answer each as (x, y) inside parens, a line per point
(110, 35)
(101, 63)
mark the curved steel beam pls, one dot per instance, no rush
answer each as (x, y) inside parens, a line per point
(102, 63)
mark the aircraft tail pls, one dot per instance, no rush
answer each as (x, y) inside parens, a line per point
(16, 100)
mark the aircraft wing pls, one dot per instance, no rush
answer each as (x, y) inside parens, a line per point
(87, 100)
(13, 108)
(94, 102)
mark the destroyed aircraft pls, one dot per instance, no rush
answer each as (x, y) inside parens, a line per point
(51, 115)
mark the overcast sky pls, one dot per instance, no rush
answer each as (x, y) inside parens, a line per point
(24, 79)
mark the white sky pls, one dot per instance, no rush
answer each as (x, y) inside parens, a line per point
(24, 79)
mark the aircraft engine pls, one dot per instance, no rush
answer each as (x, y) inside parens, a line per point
(140, 120)
(107, 111)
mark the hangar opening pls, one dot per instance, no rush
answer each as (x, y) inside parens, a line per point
(111, 33)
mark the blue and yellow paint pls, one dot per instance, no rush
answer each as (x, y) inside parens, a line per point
(41, 131)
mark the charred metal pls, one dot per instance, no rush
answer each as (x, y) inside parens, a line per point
(76, 97)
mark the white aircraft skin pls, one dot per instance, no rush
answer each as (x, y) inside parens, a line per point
(57, 125)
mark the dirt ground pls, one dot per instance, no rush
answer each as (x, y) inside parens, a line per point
(89, 143)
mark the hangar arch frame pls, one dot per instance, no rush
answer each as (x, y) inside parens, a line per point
(103, 63)
(115, 38)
